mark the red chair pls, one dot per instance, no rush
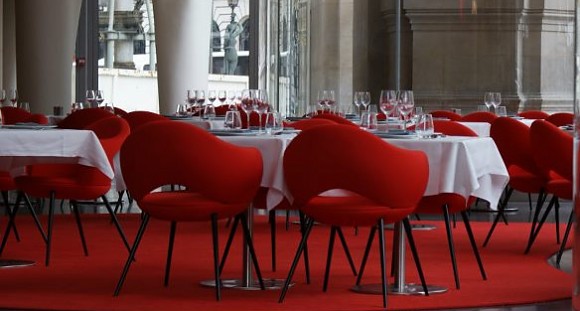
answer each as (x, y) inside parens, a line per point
(153, 156)
(82, 118)
(376, 196)
(13, 115)
(138, 118)
(446, 114)
(479, 116)
(512, 138)
(336, 118)
(533, 114)
(75, 182)
(119, 112)
(561, 118)
(553, 151)
(305, 124)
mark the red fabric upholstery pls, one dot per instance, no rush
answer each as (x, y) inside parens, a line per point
(336, 118)
(452, 128)
(138, 118)
(479, 116)
(305, 124)
(221, 110)
(155, 156)
(533, 114)
(310, 168)
(561, 118)
(552, 148)
(82, 118)
(6, 182)
(446, 114)
(13, 115)
(119, 112)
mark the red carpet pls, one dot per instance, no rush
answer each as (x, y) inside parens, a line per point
(75, 282)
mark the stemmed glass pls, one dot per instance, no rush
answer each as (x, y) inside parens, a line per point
(357, 102)
(496, 101)
(261, 106)
(222, 96)
(200, 98)
(191, 100)
(247, 105)
(13, 97)
(365, 100)
(322, 96)
(212, 96)
(2, 97)
(388, 102)
(330, 101)
(90, 97)
(99, 97)
(405, 105)
(488, 99)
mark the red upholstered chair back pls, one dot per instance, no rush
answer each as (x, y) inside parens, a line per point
(112, 132)
(452, 128)
(305, 124)
(119, 112)
(336, 118)
(512, 139)
(552, 148)
(479, 116)
(221, 110)
(533, 114)
(177, 153)
(13, 115)
(82, 118)
(338, 157)
(561, 118)
(446, 114)
(138, 118)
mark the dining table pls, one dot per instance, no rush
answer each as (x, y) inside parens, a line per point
(32, 144)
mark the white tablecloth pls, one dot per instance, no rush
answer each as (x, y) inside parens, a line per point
(463, 165)
(20, 147)
(480, 128)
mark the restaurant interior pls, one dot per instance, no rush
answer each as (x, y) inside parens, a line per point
(207, 155)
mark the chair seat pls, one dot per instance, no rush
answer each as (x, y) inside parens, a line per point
(562, 188)
(352, 211)
(525, 181)
(433, 204)
(6, 181)
(186, 206)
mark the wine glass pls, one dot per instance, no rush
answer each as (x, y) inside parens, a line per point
(99, 97)
(2, 97)
(488, 99)
(405, 105)
(191, 100)
(247, 105)
(321, 99)
(13, 97)
(330, 101)
(222, 96)
(90, 97)
(261, 106)
(356, 102)
(388, 102)
(496, 101)
(200, 99)
(76, 106)
(212, 96)
(365, 100)
(274, 123)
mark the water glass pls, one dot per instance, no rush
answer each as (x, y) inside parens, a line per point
(274, 123)
(501, 111)
(182, 110)
(369, 120)
(233, 120)
(424, 127)
(482, 108)
(24, 106)
(209, 111)
(76, 106)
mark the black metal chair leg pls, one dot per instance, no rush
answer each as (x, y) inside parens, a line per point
(216, 267)
(77, 214)
(409, 233)
(49, 228)
(229, 242)
(11, 219)
(329, 257)
(538, 227)
(251, 249)
(451, 246)
(346, 250)
(565, 238)
(119, 203)
(500, 213)
(307, 229)
(382, 252)
(9, 213)
(537, 216)
(366, 254)
(33, 214)
(116, 222)
(306, 260)
(465, 217)
(557, 220)
(172, 230)
(131, 257)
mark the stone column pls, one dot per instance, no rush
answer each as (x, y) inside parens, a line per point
(45, 45)
(183, 37)
(8, 45)
(521, 49)
(126, 27)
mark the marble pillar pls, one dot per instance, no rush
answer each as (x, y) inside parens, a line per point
(45, 46)
(522, 49)
(183, 38)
